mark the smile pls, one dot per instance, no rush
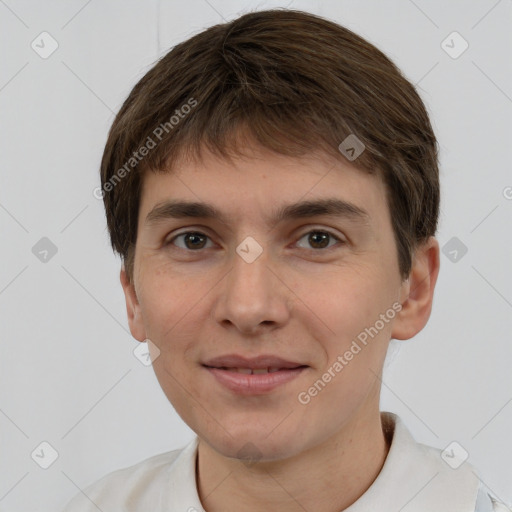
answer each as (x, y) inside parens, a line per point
(254, 381)
(251, 371)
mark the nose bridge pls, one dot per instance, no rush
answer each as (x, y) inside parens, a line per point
(251, 293)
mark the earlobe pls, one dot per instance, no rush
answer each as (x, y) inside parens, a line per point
(418, 291)
(133, 310)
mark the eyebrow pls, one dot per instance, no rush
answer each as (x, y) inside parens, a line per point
(333, 207)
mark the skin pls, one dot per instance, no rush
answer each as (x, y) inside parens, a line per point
(296, 301)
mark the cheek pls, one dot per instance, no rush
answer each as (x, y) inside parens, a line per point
(170, 305)
(345, 300)
(176, 308)
(167, 302)
(166, 290)
(352, 306)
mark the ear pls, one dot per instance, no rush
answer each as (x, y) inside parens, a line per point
(133, 310)
(417, 291)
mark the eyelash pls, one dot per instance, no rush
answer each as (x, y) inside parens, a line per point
(324, 231)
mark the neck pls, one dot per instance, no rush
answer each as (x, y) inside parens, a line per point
(329, 476)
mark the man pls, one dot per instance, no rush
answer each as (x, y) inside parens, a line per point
(272, 187)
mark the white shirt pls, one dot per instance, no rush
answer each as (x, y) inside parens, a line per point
(414, 478)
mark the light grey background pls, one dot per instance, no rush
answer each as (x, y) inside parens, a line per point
(68, 374)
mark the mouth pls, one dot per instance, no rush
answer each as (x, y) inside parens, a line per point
(255, 371)
(254, 376)
(262, 362)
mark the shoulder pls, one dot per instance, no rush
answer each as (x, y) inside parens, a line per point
(496, 506)
(499, 507)
(125, 487)
(492, 505)
(485, 502)
(452, 482)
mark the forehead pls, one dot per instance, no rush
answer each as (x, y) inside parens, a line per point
(263, 184)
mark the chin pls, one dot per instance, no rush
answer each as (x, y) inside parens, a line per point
(255, 444)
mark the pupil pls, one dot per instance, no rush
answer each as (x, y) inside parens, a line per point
(194, 237)
(323, 243)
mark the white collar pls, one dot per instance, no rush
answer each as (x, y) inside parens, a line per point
(414, 478)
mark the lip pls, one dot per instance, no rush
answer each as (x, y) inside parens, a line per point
(262, 361)
(253, 384)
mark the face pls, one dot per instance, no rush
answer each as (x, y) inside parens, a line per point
(304, 287)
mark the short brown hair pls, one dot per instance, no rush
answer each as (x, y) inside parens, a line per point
(296, 83)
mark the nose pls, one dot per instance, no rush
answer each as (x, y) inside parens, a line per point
(253, 297)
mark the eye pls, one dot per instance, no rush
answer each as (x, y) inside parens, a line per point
(193, 240)
(319, 239)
